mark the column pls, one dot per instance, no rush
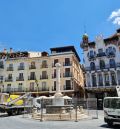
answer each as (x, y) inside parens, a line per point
(58, 92)
(110, 80)
(86, 80)
(90, 79)
(103, 78)
(58, 77)
(96, 80)
(116, 77)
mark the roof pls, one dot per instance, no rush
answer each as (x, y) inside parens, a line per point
(114, 36)
(65, 49)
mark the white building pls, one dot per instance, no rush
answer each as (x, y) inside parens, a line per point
(35, 72)
(102, 65)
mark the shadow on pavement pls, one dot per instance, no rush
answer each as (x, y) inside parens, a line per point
(116, 126)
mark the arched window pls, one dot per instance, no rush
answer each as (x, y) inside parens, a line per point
(110, 51)
(112, 63)
(92, 66)
(102, 64)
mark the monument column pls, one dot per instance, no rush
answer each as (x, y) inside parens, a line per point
(58, 92)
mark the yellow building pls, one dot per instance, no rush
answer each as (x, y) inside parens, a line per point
(35, 72)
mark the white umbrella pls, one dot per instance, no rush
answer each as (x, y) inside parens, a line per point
(42, 97)
(51, 97)
(67, 97)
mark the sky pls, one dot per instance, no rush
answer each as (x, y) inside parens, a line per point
(38, 25)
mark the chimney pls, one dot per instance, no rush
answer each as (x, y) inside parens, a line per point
(11, 50)
(5, 50)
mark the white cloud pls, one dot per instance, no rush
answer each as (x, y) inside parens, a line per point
(115, 17)
(116, 20)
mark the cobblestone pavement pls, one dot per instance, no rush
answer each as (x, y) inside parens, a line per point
(18, 122)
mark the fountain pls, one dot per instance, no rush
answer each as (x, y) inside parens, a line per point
(58, 109)
(58, 101)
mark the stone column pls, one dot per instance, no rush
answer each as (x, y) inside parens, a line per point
(103, 79)
(86, 80)
(110, 80)
(116, 77)
(58, 92)
(96, 79)
(90, 79)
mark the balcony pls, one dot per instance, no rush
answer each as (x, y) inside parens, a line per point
(107, 83)
(44, 66)
(19, 79)
(8, 79)
(21, 68)
(32, 78)
(9, 68)
(91, 57)
(68, 87)
(43, 77)
(67, 63)
(32, 67)
(45, 89)
(111, 54)
(67, 74)
(101, 54)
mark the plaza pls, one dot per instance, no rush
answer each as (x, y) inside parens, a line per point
(19, 122)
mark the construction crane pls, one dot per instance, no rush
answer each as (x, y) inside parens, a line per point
(14, 104)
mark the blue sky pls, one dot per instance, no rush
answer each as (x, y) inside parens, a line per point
(37, 25)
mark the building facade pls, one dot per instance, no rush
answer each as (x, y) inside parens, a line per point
(35, 72)
(102, 65)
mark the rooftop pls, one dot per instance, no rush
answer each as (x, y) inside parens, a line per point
(65, 49)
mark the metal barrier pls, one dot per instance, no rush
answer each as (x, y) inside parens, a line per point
(75, 110)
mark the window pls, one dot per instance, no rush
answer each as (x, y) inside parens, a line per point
(20, 87)
(112, 63)
(55, 61)
(32, 63)
(102, 64)
(106, 79)
(94, 80)
(91, 54)
(22, 64)
(8, 87)
(100, 79)
(10, 65)
(1, 64)
(67, 61)
(113, 78)
(67, 72)
(68, 85)
(32, 86)
(44, 86)
(20, 75)
(32, 75)
(44, 64)
(110, 51)
(92, 66)
(9, 76)
(100, 50)
(44, 74)
(54, 88)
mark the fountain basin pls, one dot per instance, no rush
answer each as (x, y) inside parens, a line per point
(57, 109)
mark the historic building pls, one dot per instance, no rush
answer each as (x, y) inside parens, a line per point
(35, 72)
(102, 65)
